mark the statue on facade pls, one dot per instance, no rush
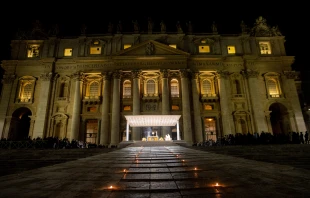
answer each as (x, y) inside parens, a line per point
(149, 49)
(261, 28)
(136, 27)
(189, 27)
(83, 29)
(37, 31)
(214, 27)
(150, 25)
(162, 27)
(54, 31)
(275, 31)
(119, 27)
(110, 27)
(179, 27)
(243, 27)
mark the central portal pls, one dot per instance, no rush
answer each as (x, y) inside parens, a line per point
(152, 126)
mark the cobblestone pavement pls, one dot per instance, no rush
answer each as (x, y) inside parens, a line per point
(164, 170)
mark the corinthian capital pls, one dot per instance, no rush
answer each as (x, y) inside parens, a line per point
(106, 76)
(46, 76)
(78, 76)
(251, 73)
(222, 74)
(136, 73)
(184, 73)
(117, 74)
(164, 73)
(8, 78)
(290, 74)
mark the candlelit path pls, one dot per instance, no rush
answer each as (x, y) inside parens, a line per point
(161, 170)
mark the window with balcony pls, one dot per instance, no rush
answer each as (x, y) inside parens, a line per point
(273, 85)
(150, 87)
(26, 90)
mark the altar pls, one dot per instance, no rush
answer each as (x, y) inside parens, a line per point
(152, 138)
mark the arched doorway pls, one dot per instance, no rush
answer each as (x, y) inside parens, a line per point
(279, 119)
(20, 124)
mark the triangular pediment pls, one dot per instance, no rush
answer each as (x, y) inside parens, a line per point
(151, 48)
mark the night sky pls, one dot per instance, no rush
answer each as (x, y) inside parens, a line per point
(290, 18)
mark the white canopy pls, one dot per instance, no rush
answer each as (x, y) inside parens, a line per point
(152, 120)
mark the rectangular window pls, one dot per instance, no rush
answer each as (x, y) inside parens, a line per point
(265, 47)
(231, 49)
(127, 108)
(127, 46)
(204, 49)
(68, 52)
(95, 50)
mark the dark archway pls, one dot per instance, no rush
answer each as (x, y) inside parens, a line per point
(20, 124)
(279, 119)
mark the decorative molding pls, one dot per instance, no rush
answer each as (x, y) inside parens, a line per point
(136, 73)
(78, 76)
(290, 74)
(8, 79)
(164, 73)
(251, 73)
(106, 76)
(184, 73)
(222, 74)
(117, 74)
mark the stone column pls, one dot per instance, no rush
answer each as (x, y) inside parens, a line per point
(196, 105)
(40, 126)
(7, 83)
(115, 109)
(136, 131)
(105, 110)
(260, 123)
(165, 104)
(227, 118)
(76, 114)
(186, 111)
(267, 114)
(292, 95)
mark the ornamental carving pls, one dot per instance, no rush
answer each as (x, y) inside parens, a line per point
(164, 73)
(195, 75)
(222, 74)
(106, 76)
(8, 79)
(46, 76)
(117, 74)
(149, 49)
(184, 73)
(290, 74)
(251, 74)
(136, 73)
(78, 76)
(261, 29)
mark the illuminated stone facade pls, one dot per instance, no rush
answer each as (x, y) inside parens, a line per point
(81, 88)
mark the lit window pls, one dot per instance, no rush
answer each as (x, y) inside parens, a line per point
(173, 45)
(92, 109)
(231, 49)
(150, 87)
(174, 88)
(95, 50)
(33, 51)
(206, 87)
(127, 46)
(127, 108)
(175, 107)
(68, 52)
(203, 41)
(204, 49)
(208, 107)
(127, 89)
(265, 47)
(273, 88)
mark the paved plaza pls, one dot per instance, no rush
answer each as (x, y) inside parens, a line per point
(164, 169)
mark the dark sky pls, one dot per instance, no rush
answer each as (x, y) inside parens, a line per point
(290, 18)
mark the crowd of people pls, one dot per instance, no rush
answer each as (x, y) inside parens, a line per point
(256, 138)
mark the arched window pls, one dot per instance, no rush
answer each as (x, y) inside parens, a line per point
(206, 87)
(174, 87)
(127, 89)
(150, 87)
(93, 89)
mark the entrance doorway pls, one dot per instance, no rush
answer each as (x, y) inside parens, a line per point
(210, 128)
(91, 131)
(20, 124)
(279, 119)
